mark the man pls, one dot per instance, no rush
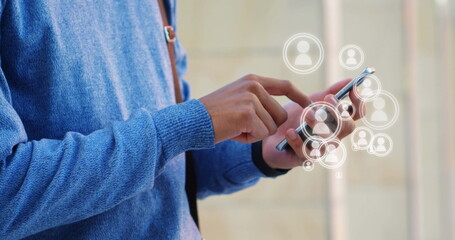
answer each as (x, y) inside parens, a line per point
(91, 141)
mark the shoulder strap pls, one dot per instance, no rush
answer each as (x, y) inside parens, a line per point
(170, 39)
(190, 179)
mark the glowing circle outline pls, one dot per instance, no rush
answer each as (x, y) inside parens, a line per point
(317, 137)
(351, 46)
(343, 158)
(353, 134)
(321, 141)
(308, 36)
(312, 165)
(376, 92)
(381, 154)
(354, 110)
(390, 123)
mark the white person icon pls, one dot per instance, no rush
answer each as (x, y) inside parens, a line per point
(379, 115)
(321, 128)
(312, 149)
(303, 53)
(308, 165)
(346, 109)
(361, 138)
(370, 88)
(315, 152)
(385, 110)
(381, 145)
(303, 59)
(322, 121)
(332, 156)
(366, 90)
(351, 57)
(335, 154)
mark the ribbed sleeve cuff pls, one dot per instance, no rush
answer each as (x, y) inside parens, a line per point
(183, 127)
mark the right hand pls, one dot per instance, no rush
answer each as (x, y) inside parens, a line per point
(245, 111)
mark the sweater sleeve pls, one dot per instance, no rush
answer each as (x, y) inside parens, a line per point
(51, 182)
(225, 169)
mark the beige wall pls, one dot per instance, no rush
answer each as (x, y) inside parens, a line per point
(226, 39)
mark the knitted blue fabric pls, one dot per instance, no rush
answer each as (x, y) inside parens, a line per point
(91, 141)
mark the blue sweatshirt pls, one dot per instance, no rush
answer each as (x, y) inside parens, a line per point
(91, 141)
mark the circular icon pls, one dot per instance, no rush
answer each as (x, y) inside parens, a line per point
(351, 57)
(311, 149)
(299, 53)
(327, 126)
(361, 138)
(308, 165)
(381, 145)
(334, 156)
(378, 118)
(347, 110)
(369, 88)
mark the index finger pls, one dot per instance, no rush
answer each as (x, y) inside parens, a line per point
(284, 87)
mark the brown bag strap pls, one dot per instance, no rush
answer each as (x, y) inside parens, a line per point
(190, 177)
(170, 39)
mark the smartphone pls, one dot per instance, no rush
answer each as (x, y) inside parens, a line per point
(340, 95)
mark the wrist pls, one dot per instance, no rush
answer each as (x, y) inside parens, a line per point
(262, 165)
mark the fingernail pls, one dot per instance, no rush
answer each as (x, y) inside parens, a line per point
(292, 134)
(334, 99)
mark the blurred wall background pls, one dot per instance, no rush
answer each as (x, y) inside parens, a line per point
(407, 195)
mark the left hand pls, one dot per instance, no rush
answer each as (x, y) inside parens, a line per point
(293, 158)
